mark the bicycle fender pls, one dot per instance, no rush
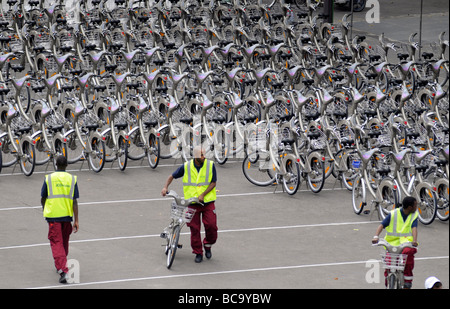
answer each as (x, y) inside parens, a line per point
(421, 186)
(162, 128)
(289, 156)
(441, 181)
(132, 131)
(35, 135)
(68, 133)
(59, 136)
(316, 155)
(124, 134)
(105, 132)
(97, 135)
(386, 182)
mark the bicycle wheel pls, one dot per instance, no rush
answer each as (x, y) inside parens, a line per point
(426, 204)
(390, 199)
(122, 156)
(61, 149)
(256, 170)
(442, 207)
(96, 158)
(8, 155)
(316, 178)
(292, 179)
(348, 175)
(173, 245)
(28, 160)
(153, 150)
(135, 146)
(74, 149)
(42, 152)
(393, 282)
(358, 5)
(358, 195)
(220, 148)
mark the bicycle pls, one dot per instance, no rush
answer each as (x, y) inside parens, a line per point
(382, 187)
(394, 261)
(180, 214)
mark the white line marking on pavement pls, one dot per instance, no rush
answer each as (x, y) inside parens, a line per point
(159, 199)
(223, 272)
(187, 233)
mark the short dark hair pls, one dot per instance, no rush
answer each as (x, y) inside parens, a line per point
(61, 161)
(408, 201)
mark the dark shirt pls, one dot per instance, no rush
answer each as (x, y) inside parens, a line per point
(44, 194)
(387, 220)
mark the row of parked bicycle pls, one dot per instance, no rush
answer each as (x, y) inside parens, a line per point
(292, 96)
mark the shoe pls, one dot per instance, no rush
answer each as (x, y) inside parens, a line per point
(208, 253)
(63, 278)
(198, 258)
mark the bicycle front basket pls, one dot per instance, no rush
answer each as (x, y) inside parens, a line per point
(393, 261)
(181, 212)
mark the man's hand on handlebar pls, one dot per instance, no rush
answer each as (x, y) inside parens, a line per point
(164, 191)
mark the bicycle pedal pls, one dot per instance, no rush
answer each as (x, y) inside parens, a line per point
(163, 235)
(179, 246)
(366, 212)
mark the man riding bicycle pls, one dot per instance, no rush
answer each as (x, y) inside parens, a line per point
(199, 180)
(401, 227)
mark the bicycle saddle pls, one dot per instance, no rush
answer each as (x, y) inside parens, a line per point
(420, 155)
(365, 156)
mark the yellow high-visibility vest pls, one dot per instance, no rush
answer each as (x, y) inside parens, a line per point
(195, 183)
(60, 189)
(399, 231)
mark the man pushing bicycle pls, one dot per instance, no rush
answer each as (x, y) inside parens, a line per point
(199, 180)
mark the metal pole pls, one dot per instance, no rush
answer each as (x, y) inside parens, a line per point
(420, 30)
(328, 10)
(351, 22)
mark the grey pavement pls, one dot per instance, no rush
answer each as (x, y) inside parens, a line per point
(400, 18)
(267, 239)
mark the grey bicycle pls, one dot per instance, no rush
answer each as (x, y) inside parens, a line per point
(180, 214)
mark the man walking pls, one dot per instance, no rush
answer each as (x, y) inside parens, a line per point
(401, 227)
(59, 196)
(199, 180)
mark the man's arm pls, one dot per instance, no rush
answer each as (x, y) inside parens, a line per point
(75, 214)
(414, 234)
(377, 234)
(211, 186)
(166, 187)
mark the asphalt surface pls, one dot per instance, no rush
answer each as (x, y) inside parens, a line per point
(267, 239)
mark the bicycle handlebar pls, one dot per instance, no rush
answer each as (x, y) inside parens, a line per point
(394, 249)
(181, 201)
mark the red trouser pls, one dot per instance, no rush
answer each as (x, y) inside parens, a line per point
(209, 219)
(409, 265)
(58, 234)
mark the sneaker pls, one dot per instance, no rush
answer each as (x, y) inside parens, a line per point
(208, 253)
(63, 278)
(198, 258)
